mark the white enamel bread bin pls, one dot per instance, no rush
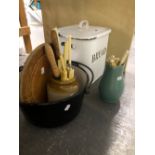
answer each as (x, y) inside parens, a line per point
(89, 45)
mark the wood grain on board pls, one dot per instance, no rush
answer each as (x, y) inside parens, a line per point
(34, 77)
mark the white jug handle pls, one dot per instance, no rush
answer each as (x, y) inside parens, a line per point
(84, 24)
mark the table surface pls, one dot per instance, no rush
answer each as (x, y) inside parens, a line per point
(99, 128)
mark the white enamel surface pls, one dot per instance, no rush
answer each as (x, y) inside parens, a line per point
(89, 32)
(84, 50)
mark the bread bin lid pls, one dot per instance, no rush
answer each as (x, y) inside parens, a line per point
(83, 31)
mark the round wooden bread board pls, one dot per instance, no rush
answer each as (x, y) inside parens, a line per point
(34, 77)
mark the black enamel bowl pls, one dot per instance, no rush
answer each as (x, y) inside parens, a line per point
(52, 114)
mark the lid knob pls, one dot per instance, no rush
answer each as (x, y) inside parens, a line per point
(84, 24)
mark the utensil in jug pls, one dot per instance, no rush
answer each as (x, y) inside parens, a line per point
(113, 61)
(56, 43)
(65, 54)
(124, 58)
(50, 56)
(63, 69)
(70, 69)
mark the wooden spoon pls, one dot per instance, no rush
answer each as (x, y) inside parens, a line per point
(56, 43)
(50, 56)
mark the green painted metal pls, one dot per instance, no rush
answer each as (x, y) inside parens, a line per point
(112, 84)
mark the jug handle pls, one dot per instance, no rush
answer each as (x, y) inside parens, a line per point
(89, 81)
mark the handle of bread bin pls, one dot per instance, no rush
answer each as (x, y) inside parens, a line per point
(89, 81)
(84, 24)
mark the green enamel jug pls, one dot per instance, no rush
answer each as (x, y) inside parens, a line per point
(112, 84)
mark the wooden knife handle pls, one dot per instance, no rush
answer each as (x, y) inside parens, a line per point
(51, 59)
